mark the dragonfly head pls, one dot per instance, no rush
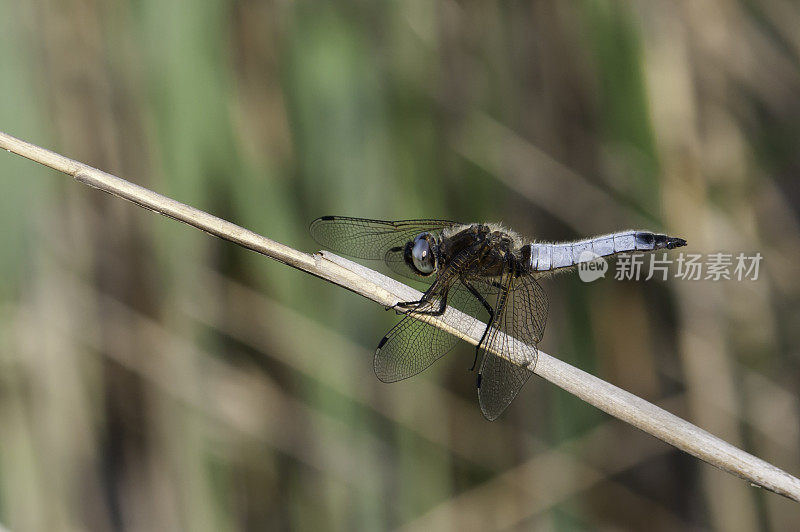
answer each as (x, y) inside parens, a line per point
(420, 254)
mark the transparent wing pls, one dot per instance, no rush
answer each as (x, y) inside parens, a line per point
(395, 260)
(412, 345)
(520, 312)
(370, 239)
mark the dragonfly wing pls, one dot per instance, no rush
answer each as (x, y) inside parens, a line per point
(521, 313)
(410, 347)
(370, 239)
(499, 382)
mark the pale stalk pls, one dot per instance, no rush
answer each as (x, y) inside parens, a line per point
(387, 292)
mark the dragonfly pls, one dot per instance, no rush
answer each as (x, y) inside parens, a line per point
(481, 269)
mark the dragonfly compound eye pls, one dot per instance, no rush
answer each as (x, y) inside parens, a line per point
(422, 257)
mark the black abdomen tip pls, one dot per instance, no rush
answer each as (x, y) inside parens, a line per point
(675, 242)
(664, 241)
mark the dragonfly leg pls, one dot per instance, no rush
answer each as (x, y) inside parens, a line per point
(408, 304)
(501, 301)
(489, 309)
(412, 304)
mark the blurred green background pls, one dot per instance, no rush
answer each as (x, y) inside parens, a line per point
(155, 378)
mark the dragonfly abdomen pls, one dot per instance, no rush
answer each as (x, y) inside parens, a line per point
(547, 257)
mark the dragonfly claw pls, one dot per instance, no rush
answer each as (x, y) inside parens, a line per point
(396, 307)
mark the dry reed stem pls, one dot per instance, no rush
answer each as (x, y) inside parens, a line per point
(388, 292)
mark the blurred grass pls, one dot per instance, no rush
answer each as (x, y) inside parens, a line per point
(154, 378)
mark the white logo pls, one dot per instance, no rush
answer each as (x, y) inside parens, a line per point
(591, 266)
